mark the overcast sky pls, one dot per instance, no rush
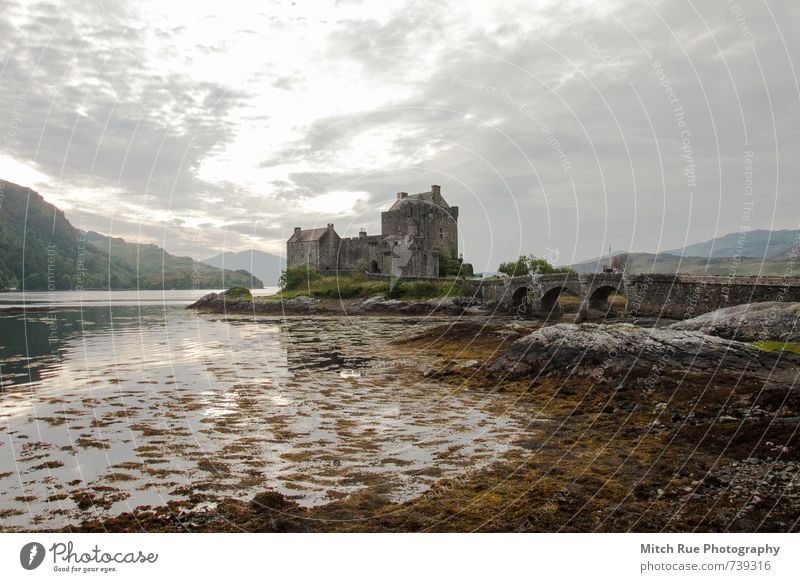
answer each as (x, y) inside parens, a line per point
(559, 128)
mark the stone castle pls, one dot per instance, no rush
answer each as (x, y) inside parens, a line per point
(418, 234)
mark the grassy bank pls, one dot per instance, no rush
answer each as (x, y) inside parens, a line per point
(359, 286)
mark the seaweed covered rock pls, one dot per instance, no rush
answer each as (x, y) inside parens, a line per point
(768, 320)
(621, 351)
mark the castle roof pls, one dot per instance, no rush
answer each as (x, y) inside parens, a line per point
(433, 198)
(307, 235)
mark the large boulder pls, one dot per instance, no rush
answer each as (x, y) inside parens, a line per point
(302, 301)
(617, 351)
(769, 320)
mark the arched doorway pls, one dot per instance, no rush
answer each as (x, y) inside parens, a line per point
(374, 268)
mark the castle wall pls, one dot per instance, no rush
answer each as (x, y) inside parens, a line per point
(300, 253)
(436, 227)
(357, 253)
(329, 250)
(320, 254)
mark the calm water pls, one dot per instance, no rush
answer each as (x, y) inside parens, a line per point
(116, 401)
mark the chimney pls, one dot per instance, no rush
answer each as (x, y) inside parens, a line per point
(297, 230)
(401, 195)
(436, 190)
(330, 226)
(362, 233)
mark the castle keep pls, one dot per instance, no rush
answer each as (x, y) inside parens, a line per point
(418, 232)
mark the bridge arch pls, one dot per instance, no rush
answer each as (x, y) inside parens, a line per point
(598, 297)
(520, 297)
(549, 303)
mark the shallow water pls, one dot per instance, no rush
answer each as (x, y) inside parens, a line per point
(108, 406)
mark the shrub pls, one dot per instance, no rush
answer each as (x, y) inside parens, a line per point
(297, 277)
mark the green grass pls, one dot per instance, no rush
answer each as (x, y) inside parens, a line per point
(239, 293)
(771, 346)
(427, 289)
(358, 286)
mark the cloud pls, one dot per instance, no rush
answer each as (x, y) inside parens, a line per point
(551, 125)
(336, 202)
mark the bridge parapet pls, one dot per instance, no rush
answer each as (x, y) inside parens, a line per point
(686, 296)
(655, 295)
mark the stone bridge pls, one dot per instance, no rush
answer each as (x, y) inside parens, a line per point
(671, 296)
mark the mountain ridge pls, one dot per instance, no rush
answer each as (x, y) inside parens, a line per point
(41, 250)
(749, 243)
(675, 264)
(755, 252)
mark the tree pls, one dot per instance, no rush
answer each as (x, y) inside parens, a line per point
(515, 268)
(454, 267)
(530, 264)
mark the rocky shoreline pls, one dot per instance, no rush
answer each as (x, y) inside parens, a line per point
(769, 320)
(614, 352)
(220, 303)
(631, 429)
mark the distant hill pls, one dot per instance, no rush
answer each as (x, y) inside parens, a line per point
(594, 265)
(41, 250)
(755, 243)
(714, 257)
(263, 265)
(664, 263)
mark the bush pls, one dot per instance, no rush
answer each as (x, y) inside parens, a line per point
(448, 266)
(297, 277)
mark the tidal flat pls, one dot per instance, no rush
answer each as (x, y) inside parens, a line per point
(162, 419)
(144, 410)
(697, 451)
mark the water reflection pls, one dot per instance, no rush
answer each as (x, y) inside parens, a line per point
(137, 405)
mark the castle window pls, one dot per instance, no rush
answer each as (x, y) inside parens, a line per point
(441, 233)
